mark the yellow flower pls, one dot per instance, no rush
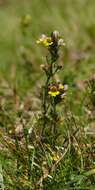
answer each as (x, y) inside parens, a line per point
(54, 93)
(53, 90)
(54, 156)
(46, 41)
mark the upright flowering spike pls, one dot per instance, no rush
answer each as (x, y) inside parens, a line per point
(53, 43)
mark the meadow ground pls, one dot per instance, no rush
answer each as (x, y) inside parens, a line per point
(21, 79)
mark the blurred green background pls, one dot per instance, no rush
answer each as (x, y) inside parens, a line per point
(74, 19)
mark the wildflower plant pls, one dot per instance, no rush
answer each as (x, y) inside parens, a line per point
(53, 92)
(38, 154)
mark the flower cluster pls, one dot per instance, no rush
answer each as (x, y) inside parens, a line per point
(53, 43)
(57, 90)
(54, 39)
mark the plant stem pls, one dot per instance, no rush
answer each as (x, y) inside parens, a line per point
(54, 115)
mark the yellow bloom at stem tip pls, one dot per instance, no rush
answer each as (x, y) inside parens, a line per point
(54, 39)
(46, 41)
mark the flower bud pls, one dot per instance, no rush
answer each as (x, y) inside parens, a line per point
(55, 36)
(45, 67)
